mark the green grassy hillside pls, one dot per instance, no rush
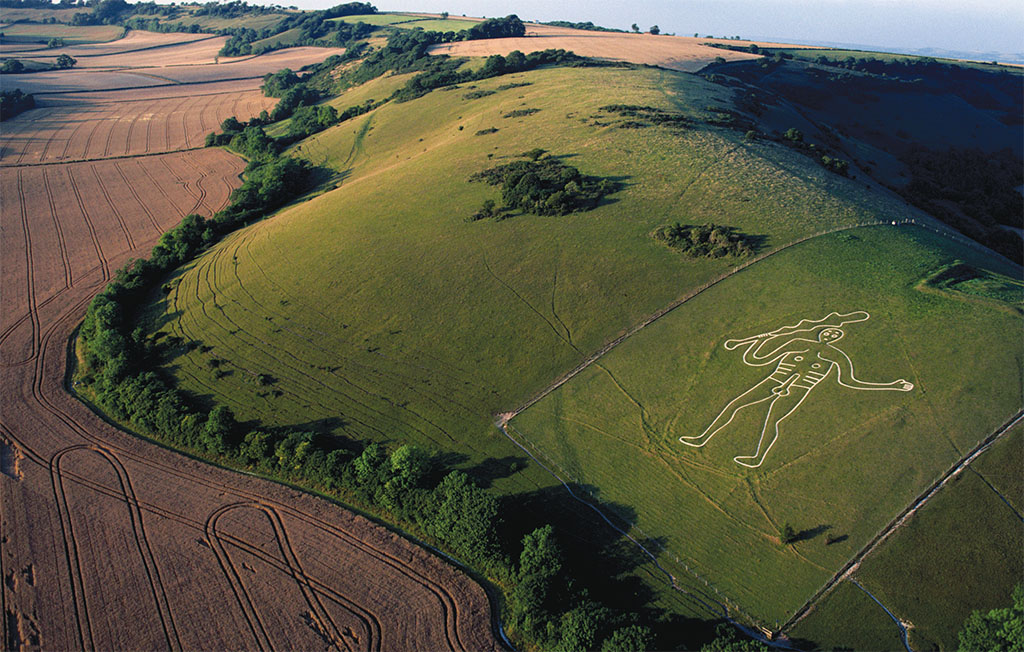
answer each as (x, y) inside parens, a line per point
(378, 311)
(845, 461)
(379, 304)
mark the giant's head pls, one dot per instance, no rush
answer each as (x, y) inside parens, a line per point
(830, 335)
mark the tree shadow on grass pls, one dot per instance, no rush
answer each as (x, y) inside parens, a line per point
(604, 563)
(811, 533)
(494, 468)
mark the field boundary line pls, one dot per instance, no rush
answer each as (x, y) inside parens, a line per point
(505, 417)
(900, 519)
(633, 330)
(899, 623)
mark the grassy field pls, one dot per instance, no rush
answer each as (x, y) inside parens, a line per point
(960, 553)
(377, 312)
(13, 14)
(287, 37)
(848, 619)
(537, 301)
(378, 19)
(440, 25)
(211, 23)
(845, 462)
(411, 21)
(72, 35)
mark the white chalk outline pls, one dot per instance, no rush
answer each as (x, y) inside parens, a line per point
(789, 374)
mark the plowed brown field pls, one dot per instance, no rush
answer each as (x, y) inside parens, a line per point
(110, 542)
(687, 54)
(88, 126)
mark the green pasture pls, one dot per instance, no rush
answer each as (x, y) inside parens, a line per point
(287, 37)
(383, 314)
(376, 311)
(961, 552)
(848, 619)
(72, 34)
(410, 21)
(846, 461)
(212, 23)
(38, 15)
(439, 24)
(378, 19)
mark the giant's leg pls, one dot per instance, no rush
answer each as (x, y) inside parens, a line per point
(784, 405)
(757, 394)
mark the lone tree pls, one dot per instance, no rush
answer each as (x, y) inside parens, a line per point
(655, 29)
(787, 534)
(65, 61)
(635, 28)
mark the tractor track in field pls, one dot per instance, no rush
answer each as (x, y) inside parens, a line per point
(29, 270)
(134, 193)
(129, 240)
(446, 600)
(61, 242)
(73, 548)
(288, 563)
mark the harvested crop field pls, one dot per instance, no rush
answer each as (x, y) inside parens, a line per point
(192, 52)
(86, 127)
(252, 68)
(672, 52)
(133, 41)
(109, 542)
(72, 34)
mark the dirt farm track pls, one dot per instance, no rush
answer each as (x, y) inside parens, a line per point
(109, 542)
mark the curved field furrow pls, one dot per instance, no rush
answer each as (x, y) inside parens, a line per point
(61, 242)
(316, 346)
(81, 521)
(26, 134)
(256, 593)
(134, 193)
(356, 584)
(451, 616)
(29, 267)
(358, 409)
(113, 209)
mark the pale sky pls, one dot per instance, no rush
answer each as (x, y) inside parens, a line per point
(970, 25)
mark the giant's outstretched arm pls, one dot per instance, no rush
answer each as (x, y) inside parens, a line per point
(847, 379)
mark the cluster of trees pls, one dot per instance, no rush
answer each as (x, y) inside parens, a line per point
(315, 27)
(542, 185)
(588, 26)
(15, 67)
(14, 102)
(104, 12)
(705, 240)
(997, 630)
(971, 190)
(644, 116)
(506, 27)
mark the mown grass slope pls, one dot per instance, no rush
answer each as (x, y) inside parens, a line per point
(845, 461)
(378, 304)
(376, 311)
